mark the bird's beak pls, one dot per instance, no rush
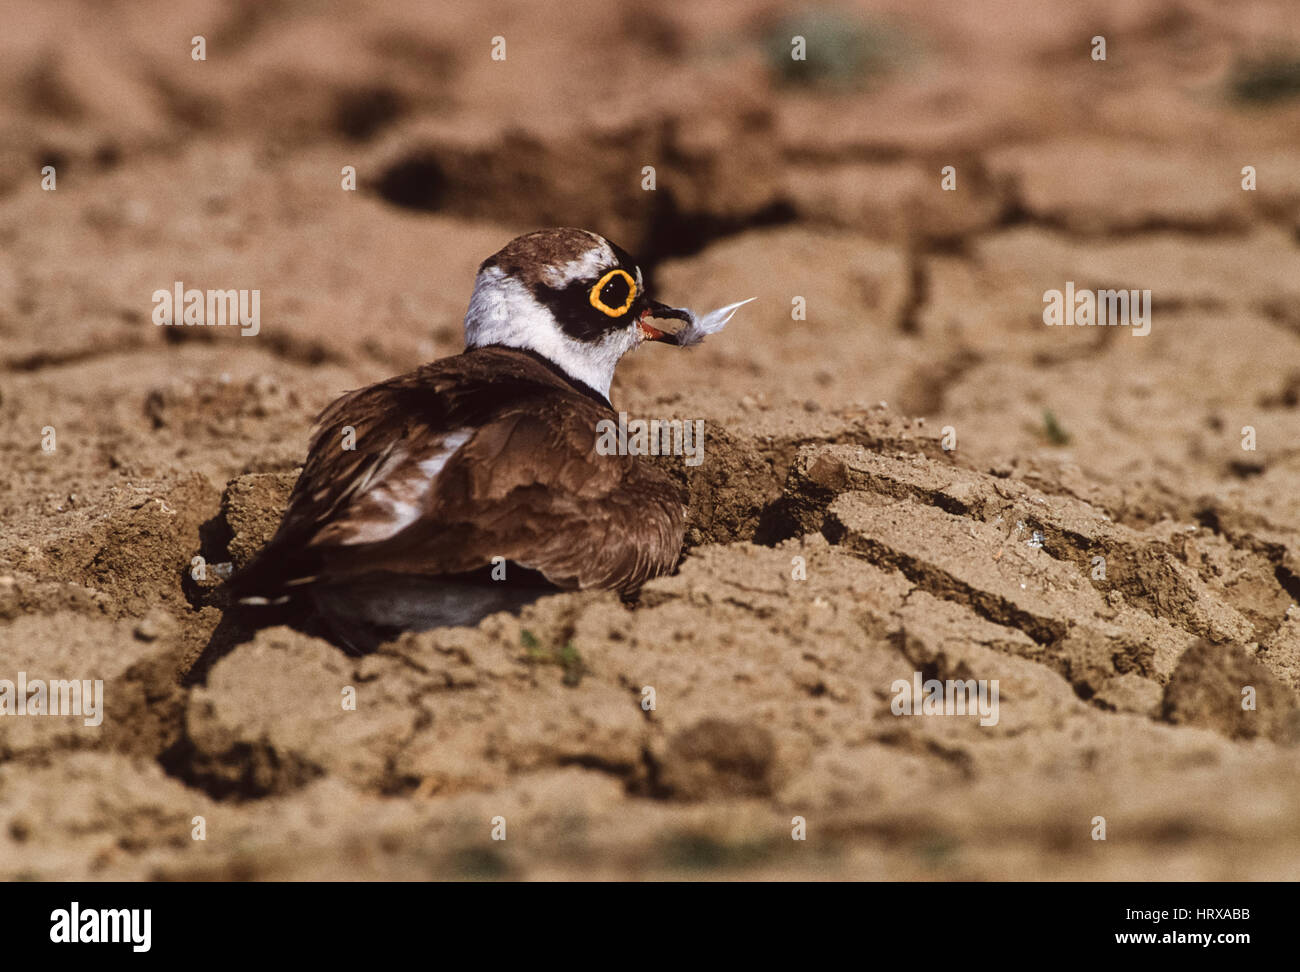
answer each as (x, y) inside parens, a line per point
(655, 309)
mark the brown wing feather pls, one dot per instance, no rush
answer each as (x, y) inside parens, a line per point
(532, 488)
(525, 484)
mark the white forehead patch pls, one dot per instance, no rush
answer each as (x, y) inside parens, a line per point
(586, 267)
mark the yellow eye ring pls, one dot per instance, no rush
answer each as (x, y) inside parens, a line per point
(603, 307)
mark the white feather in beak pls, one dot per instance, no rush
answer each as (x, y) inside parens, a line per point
(698, 328)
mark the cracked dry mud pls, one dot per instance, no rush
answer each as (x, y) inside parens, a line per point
(1119, 694)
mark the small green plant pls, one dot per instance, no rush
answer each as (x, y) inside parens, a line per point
(566, 656)
(701, 852)
(480, 863)
(836, 50)
(1266, 80)
(938, 849)
(1053, 430)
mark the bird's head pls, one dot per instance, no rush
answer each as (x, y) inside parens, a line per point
(569, 295)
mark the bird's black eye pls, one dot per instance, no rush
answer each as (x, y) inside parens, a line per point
(614, 293)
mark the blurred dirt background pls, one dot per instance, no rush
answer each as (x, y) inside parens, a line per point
(1120, 697)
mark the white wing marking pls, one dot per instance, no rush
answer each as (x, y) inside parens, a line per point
(398, 503)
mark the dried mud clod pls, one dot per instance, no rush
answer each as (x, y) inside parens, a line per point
(1100, 601)
(1222, 688)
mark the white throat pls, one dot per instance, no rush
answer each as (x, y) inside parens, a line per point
(502, 311)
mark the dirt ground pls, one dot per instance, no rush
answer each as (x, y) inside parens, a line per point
(919, 476)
